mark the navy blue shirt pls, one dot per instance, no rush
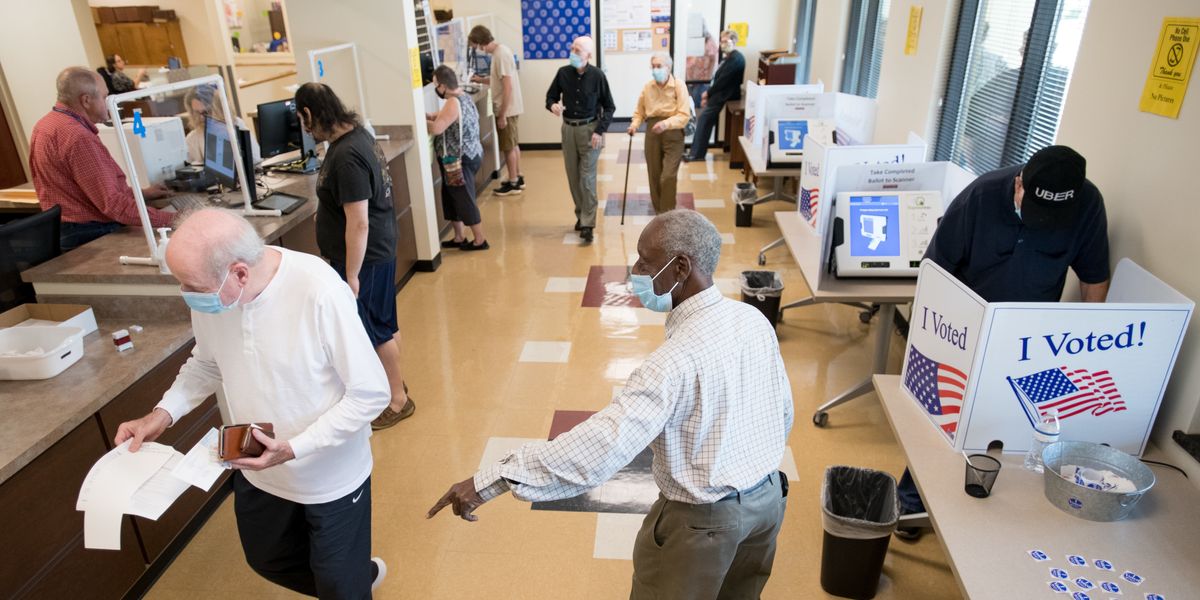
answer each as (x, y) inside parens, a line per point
(983, 243)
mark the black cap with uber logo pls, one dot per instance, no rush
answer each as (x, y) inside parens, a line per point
(1053, 179)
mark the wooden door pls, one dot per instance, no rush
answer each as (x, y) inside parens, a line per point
(11, 171)
(158, 43)
(132, 42)
(176, 37)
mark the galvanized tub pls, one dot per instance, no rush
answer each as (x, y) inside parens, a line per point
(1093, 504)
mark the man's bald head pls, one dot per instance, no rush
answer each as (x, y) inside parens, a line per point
(207, 243)
(83, 91)
(584, 47)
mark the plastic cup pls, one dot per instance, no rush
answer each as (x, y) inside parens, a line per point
(981, 475)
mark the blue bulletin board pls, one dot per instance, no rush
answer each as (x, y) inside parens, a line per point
(549, 26)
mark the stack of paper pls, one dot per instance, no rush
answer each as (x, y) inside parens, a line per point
(143, 483)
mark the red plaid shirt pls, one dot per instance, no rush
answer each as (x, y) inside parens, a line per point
(71, 168)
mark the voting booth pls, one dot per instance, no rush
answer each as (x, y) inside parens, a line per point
(779, 119)
(988, 371)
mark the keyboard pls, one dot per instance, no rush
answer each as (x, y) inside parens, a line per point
(186, 203)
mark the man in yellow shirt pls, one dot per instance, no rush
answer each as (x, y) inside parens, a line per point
(664, 107)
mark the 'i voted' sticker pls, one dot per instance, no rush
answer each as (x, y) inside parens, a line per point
(1058, 574)
(1154, 597)
(1132, 577)
(1077, 560)
(1059, 587)
(1102, 564)
(1084, 584)
(1080, 596)
(1038, 555)
(1110, 587)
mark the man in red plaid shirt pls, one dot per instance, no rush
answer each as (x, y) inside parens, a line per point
(71, 167)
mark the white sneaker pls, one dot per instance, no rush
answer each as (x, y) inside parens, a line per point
(380, 575)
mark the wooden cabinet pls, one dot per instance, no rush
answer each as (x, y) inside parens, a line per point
(143, 43)
(406, 244)
(735, 115)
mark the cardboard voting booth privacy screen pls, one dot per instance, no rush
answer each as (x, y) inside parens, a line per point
(821, 163)
(989, 371)
(767, 102)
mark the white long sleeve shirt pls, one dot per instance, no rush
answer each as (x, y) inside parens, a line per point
(713, 403)
(296, 356)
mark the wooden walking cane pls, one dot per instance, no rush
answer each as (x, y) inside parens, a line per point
(624, 194)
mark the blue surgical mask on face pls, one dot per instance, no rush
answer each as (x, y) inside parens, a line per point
(643, 288)
(210, 302)
(575, 60)
(660, 74)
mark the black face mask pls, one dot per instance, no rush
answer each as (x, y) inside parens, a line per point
(440, 94)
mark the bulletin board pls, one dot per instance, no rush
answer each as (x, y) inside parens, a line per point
(635, 27)
(549, 26)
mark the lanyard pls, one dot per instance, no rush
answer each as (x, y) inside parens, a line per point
(77, 118)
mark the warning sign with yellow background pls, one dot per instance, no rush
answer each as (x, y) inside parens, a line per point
(1167, 82)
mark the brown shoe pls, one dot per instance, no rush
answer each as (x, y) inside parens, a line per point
(389, 417)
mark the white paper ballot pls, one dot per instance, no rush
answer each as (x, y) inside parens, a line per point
(102, 530)
(109, 487)
(159, 492)
(200, 466)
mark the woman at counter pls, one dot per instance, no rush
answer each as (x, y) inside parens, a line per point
(114, 75)
(200, 104)
(356, 228)
(459, 154)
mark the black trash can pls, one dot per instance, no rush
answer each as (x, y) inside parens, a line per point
(859, 510)
(744, 196)
(763, 290)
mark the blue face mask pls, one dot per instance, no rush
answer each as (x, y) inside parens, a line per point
(576, 60)
(643, 288)
(660, 74)
(210, 302)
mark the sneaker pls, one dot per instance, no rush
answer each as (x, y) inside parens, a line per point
(380, 572)
(389, 417)
(507, 188)
(471, 246)
(585, 234)
(909, 534)
(450, 243)
(520, 182)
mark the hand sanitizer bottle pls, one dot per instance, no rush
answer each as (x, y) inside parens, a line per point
(161, 251)
(1044, 434)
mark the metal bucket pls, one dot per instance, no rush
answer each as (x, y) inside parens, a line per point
(1092, 504)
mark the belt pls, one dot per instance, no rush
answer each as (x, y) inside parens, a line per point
(578, 122)
(735, 494)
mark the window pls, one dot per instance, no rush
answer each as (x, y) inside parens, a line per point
(1009, 70)
(806, 11)
(864, 47)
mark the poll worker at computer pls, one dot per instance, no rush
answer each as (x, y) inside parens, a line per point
(72, 169)
(1011, 236)
(200, 105)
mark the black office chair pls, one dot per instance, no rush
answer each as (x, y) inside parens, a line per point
(107, 77)
(24, 244)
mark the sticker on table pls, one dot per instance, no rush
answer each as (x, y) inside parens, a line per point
(1102, 564)
(1110, 587)
(1080, 596)
(1038, 555)
(1077, 560)
(1084, 583)
(1059, 587)
(1155, 597)
(1132, 577)
(1075, 503)
(1059, 574)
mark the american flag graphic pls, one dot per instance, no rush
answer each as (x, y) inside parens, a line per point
(1071, 391)
(809, 199)
(938, 387)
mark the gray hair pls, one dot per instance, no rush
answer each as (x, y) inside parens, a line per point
(689, 233)
(231, 241)
(663, 56)
(733, 35)
(74, 82)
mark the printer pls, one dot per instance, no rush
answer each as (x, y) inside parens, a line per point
(882, 233)
(786, 139)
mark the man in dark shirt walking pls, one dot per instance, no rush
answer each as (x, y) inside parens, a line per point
(726, 86)
(580, 95)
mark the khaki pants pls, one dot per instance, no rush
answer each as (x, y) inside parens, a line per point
(580, 159)
(722, 550)
(663, 153)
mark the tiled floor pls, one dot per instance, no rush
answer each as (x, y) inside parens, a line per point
(465, 327)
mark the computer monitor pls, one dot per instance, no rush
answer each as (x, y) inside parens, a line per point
(279, 132)
(173, 62)
(218, 153)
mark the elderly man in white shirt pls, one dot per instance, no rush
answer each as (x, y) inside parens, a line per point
(278, 331)
(715, 406)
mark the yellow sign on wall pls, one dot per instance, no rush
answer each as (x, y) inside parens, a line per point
(414, 62)
(743, 31)
(1167, 82)
(914, 29)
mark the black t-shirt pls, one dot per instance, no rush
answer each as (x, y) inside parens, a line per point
(355, 170)
(983, 243)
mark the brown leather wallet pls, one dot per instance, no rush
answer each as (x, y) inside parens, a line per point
(237, 441)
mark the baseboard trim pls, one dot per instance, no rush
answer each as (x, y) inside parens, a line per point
(429, 266)
(540, 146)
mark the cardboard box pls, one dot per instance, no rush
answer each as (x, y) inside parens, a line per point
(69, 315)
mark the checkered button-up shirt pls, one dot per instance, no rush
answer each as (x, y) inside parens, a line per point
(71, 168)
(713, 403)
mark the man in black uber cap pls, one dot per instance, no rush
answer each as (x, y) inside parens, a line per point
(1011, 236)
